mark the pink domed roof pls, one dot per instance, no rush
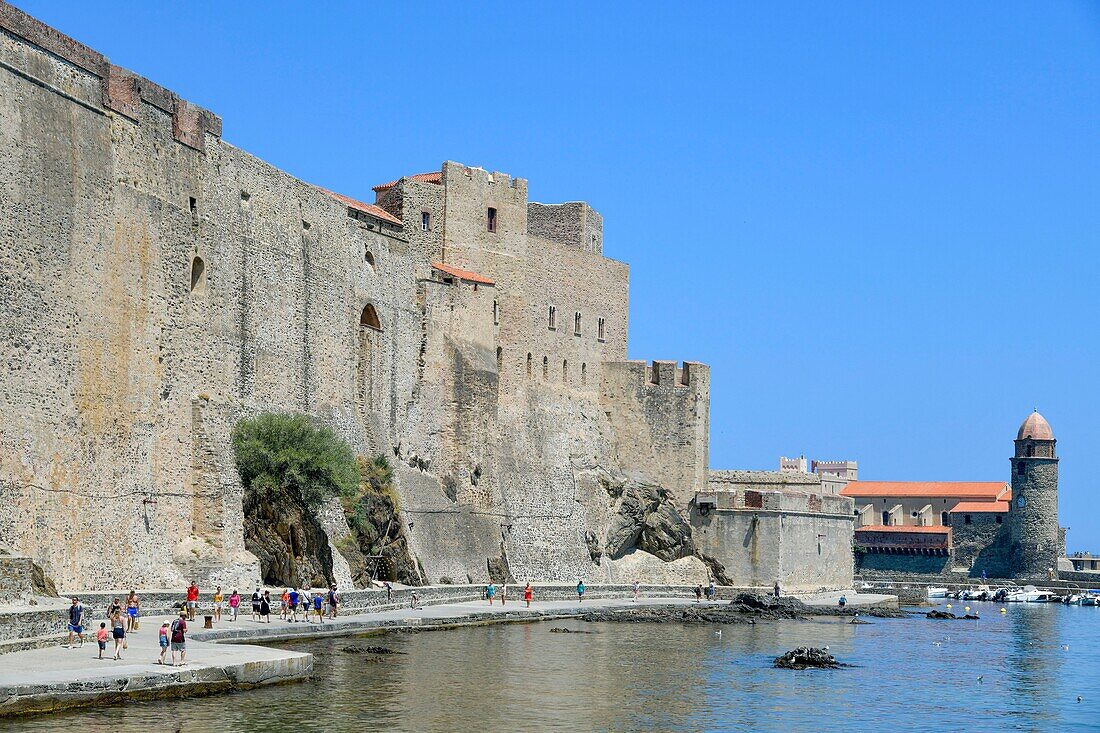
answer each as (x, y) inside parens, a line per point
(1035, 427)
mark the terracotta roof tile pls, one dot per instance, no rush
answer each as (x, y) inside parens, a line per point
(980, 507)
(376, 211)
(436, 177)
(903, 528)
(461, 274)
(988, 490)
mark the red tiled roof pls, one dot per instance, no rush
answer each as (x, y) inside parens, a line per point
(376, 211)
(436, 177)
(980, 507)
(988, 490)
(462, 274)
(903, 528)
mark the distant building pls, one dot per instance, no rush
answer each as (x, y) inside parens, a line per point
(835, 475)
(792, 465)
(957, 528)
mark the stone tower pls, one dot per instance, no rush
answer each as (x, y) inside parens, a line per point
(1033, 516)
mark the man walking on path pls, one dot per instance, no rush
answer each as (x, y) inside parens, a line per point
(76, 621)
(637, 590)
(775, 589)
(179, 639)
(256, 598)
(712, 592)
(192, 600)
(333, 602)
(698, 593)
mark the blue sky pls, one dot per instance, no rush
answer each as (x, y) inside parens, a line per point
(877, 224)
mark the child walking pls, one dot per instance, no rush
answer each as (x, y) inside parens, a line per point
(101, 637)
(162, 638)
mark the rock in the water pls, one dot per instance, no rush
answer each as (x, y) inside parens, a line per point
(860, 622)
(562, 630)
(354, 649)
(940, 615)
(807, 657)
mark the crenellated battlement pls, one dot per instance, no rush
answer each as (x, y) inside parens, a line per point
(121, 91)
(499, 184)
(669, 374)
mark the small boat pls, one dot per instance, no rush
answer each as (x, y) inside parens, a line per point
(1092, 598)
(1027, 594)
(1072, 599)
(1045, 597)
(934, 592)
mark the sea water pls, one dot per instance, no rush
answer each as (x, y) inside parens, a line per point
(1018, 671)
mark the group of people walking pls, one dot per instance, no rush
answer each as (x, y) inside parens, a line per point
(123, 621)
(491, 592)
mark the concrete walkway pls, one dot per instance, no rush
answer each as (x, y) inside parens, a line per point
(57, 677)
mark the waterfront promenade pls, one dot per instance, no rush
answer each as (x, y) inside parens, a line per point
(55, 677)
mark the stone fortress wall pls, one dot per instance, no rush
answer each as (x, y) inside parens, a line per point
(159, 284)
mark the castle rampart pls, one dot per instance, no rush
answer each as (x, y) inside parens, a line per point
(159, 285)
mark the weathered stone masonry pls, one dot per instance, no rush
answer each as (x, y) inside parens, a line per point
(157, 285)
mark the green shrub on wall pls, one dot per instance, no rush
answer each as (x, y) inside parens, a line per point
(280, 451)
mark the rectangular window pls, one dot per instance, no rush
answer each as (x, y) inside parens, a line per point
(577, 324)
(552, 318)
(491, 219)
(425, 221)
(601, 330)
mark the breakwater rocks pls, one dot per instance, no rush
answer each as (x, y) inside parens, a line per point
(807, 657)
(746, 608)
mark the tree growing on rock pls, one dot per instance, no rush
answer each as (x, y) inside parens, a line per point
(279, 451)
(289, 467)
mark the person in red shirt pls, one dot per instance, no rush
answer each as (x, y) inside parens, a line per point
(527, 593)
(192, 600)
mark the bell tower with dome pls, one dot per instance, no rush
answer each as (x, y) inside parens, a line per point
(1037, 541)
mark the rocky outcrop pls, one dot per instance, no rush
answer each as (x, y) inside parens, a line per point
(648, 520)
(497, 567)
(285, 536)
(807, 657)
(377, 547)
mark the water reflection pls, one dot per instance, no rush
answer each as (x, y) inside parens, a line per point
(913, 674)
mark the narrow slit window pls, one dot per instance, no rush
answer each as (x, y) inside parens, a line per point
(584, 374)
(369, 318)
(601, 329)
(577, 324)
(425, 221)
(198, 275)
(552, 318)
(528, 364)
(491, 219)
(564, 371)
(496, 313)
(545, 367)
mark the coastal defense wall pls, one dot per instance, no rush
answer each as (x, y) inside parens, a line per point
(158, 285)
(660, 420)
(761, 535)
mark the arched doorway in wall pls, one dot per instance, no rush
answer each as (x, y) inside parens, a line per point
(370, 334)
